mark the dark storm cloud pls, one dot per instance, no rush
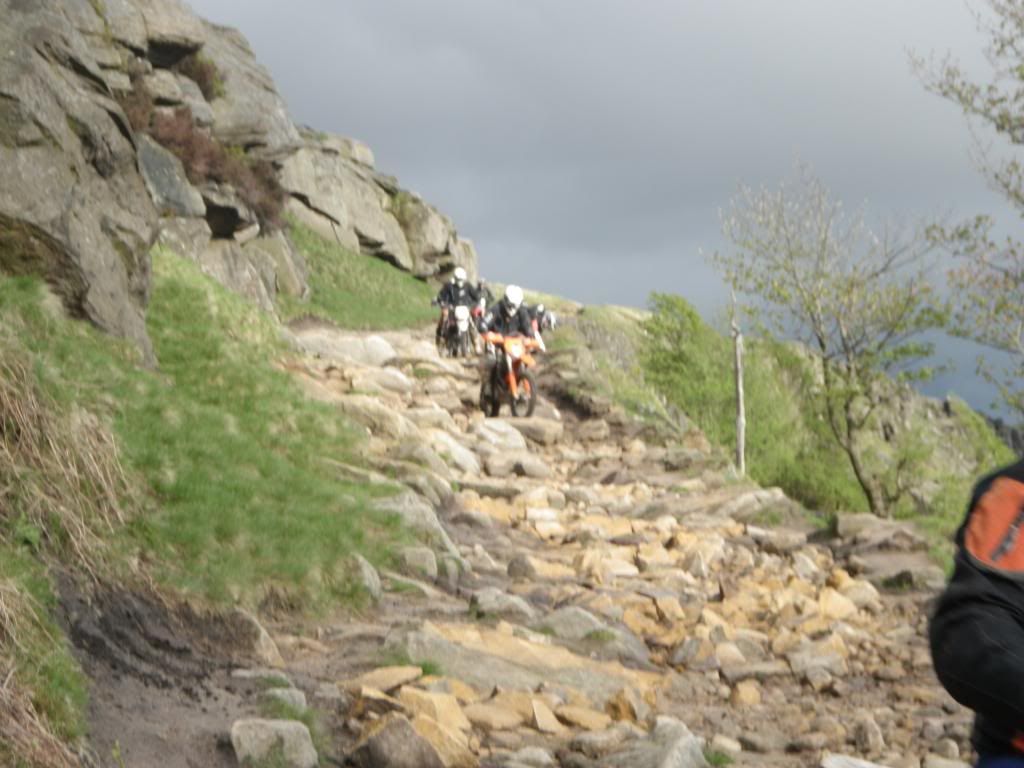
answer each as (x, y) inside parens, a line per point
(587, 145)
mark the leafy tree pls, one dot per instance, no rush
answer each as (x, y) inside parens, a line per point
(988, 281)
(859, 299)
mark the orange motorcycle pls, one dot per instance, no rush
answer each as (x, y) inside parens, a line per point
(509, 379)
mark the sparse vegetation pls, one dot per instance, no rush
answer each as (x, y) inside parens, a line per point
(600, 636)
(204, 73)
(354, 291)
(314, 720)
(274, 518)
(716, 758)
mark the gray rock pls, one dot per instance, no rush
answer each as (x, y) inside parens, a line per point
(843, 761)
(572, 622)
(341, 190)
(292, 697)
(163, 87)
(73, 205)
(763, 742)
(257, 740)
(379, 418)
(125, 23)
(420, 562)
(597, 744)
(499, 464)
(454, 452)
(168, 185)
(227, 263)
(364, 350)
(867, 735)
(536, 757)
(186, 237)
(485, 671)
(274, 255)
(420, 517)
(491, 601)
(669, 745)
(499, 434)
(394, 743)
(759, 671)
(251, 112)
(252, 639)
(192, 97)
(368, 577)
(226, 214)
(172, 30)
(543, 431)
(428, 233)
(593, 430)
(853, 523)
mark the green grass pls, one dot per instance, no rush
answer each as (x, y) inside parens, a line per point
(399, 657)
(356, 291)
(600, 636)
(242, 500)
(313, 719)
(43, 661)
(716, 758)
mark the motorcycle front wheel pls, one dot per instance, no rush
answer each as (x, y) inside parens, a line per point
(524, 404)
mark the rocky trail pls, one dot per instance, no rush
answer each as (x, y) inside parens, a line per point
(594, 594)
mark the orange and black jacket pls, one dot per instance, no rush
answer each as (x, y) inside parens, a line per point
(977, 628)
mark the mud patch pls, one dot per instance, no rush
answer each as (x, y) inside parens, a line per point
(161, 691)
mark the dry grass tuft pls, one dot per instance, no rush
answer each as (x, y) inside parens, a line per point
(23, 733)
(60, 476)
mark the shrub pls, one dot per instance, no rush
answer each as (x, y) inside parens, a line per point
(138, 105)
(204, 73)
(206, 159)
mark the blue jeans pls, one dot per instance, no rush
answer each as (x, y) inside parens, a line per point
(1010, 761)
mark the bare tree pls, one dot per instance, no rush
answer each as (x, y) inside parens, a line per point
(988, 281)
(859, 300)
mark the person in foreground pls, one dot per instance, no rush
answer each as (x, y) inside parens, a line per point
(509, 318)
(977, 628)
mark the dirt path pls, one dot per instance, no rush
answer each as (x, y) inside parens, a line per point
(600, 598)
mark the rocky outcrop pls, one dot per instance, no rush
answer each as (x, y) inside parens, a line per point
(73, 205)
(74, 176)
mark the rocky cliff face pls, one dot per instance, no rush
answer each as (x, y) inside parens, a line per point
(125, 122)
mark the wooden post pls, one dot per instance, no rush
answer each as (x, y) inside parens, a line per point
(741, 415)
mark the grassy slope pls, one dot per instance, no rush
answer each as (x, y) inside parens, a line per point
(354, 291)
(236, 499)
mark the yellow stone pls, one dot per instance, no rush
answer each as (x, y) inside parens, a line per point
(452, 746)
(518, 701)
(384, 679)
(463, 692)
(746, 694)
(833, 605)
(669, 608)
(543, 719)
(639, 623)
(493, 718)
(442, 707)
(583, 717)
(623, 705)
(372, 700)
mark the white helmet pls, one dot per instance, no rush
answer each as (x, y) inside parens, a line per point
(460, 275)
(513, 298)
(540, 309)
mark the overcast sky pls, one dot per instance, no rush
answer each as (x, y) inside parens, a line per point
(586, 146)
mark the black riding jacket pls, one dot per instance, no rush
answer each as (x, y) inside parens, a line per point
(453, 294)
(498, 320)
(977, 628)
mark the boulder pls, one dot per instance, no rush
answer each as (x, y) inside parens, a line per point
(669, 745)
(73, 205)
(226, 214)
(341, 190)
(380, 419)
(227, 263)
(256, 740)
(274, 254)
(363, 350)
(451, 746)
(499, 434)
(251, 112)
(163, 86)
(392, 742)
(491, 601)
(251, 638)
(125, 24)
(368, 577)
(168, 186)
(420, 562)
(292, 697)
(454, 452)
(428, 234)
(192, 97)
(185, 237)
(522, 463)
(172, 30)
(419, 516)
(543, 431)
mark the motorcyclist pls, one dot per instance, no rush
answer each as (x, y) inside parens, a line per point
(509, 318)
(484, 293)
(455, 293)
(543, 320)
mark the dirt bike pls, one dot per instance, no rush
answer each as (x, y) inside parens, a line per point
(510, 379)
(456, 337)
